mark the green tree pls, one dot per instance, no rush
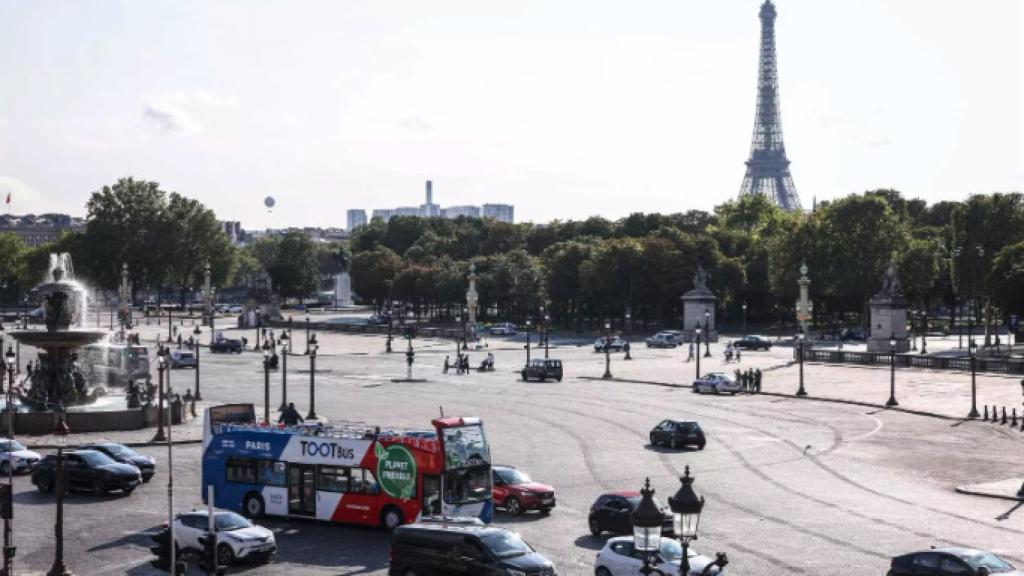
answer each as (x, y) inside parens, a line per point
(295, 270)
(373, 274)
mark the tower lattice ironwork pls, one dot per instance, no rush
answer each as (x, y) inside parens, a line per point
(768, 168)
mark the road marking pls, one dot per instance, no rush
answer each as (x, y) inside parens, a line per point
(878, 426)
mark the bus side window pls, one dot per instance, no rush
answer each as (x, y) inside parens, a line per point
(240, 470)
(270, 473)
(333, 479)
(370, 483)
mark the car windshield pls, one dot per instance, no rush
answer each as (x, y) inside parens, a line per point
(10, 446)
(990, 561)
(94, 458)
(671, 550)
(634, 501)
(511, 476)
(121, 451)
(228, 521)
(505, 545)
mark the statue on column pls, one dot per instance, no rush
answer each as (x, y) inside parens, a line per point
(472, 299)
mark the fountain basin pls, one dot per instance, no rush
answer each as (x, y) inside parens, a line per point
(71, 338)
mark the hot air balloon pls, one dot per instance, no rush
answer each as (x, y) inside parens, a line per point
(269, 202)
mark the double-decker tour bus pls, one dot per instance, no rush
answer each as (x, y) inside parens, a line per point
(346, 473)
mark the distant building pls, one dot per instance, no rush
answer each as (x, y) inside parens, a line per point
(36, 230)
(356, 218)
(500, 212)
(233, 230)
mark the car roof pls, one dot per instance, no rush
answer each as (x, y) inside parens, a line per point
(625, 494)
(451, 527)
(502, 467)
(954, 550)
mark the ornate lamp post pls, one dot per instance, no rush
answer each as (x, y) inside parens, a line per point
(547, 322)
(800, 356)
(307, 334)
(892, 372)
(313, 347)
(465, 336)
(161, 366)
(8, 523)
(458, 345)
(290, 339)
(697, 337)
(197, 332)
(391, 323)
(744, 319)
(284, 342)
(972, 346)
(266, 381)
(58, 568)
(707, 333)
(686, 507)
(629, 332)
(924, 332)
(607, 350)
(527, 340)
(647, 520)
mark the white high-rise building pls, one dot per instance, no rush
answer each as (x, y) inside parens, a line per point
(500, 212)
(356, 218)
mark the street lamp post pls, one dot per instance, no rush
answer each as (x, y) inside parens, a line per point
(197, 332)
(629, 332)
(707, 334)
(465, 336)
(697, 331)
(527, 341)
(924, 332)
(290, 339)
(914, 326)
(800, 356)
(892, 372)
(686, 507)
(391, 323)
(647, 520)
(58, 568)
(161, 365)
(972, 346)
(547, 323)
(313, 347)
(266, 381)
(744, 319)
(307, 334)
(607, 350)
(458, 345)
(8, 523)
(284, 341)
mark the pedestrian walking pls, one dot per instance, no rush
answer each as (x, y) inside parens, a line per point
(444, 369)
(757, 380)
(690, 359)
(179, 341)
(737, 354)
(290, 416)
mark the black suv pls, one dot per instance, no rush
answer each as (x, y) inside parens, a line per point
(753, 343)
(436, 549)
(89, 470)
(125, 455)
(678, 433)
(542, 369)
(950, 561)
(611, 513)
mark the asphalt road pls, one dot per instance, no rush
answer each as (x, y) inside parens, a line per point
(792, 486)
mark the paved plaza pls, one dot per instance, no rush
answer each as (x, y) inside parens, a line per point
(793, 486)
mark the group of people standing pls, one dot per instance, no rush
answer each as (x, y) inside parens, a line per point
(749, 380)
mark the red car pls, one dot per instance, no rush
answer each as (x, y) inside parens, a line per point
(515, 492)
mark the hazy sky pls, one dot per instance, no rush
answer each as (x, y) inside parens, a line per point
(565, 108)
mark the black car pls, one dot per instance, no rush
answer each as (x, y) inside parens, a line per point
(88, 470)
(950, 562)
(543, 369)
(226, 345)
(678, 433)
(753, 343)
(439, 548)
(125, 455)
(611, 513)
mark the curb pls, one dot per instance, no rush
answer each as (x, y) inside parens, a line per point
(794, 397)
(129, 444)
(963, 490)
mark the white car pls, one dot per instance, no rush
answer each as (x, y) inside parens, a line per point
(716, 383)
(615, 344)
(664, 340)
(618, 558)
(503, 329)
(14, 456)
(182, 359)
(237, 537)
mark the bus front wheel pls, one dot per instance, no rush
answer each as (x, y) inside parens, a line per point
(391, 518)
(254, 507)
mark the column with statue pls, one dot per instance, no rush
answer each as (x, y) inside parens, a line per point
(472, 300)
(208, 300)
(124, 311)
(889, 315)
(804, 306)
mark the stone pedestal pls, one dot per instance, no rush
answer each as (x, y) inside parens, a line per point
(888, 316)
(342, 290)
(695, 303)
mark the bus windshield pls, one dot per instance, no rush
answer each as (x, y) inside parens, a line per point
(465, 447)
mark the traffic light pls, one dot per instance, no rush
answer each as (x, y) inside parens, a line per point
(162, 551)
(209, 561)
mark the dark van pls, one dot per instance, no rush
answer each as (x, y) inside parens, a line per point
(437, 549)
(543, 369)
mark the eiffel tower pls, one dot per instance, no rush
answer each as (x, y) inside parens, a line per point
(768, 168)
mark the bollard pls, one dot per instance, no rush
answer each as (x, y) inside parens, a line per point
(1013, 418)
(1003, 421)
(995, 413)
(985, 419)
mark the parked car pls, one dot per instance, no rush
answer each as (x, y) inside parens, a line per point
(615, 344)
(618, 558)
(238, 539)
(543, 369)
(14, 456)
(235, 309)
(678, 433)
(516, 492)
(125, 455)
(611, 512)
(226, 346)
(856, 334)
(753, 343)
(379, 320)
(181, 359)
(950, 561)
(503, 329)
(441, 548)
(88, 470)
(664, 340)
(717, 383)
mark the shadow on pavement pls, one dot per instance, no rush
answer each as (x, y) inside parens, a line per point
(525, 517)
(590, 542)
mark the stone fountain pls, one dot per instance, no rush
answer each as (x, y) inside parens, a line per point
(58, 379)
